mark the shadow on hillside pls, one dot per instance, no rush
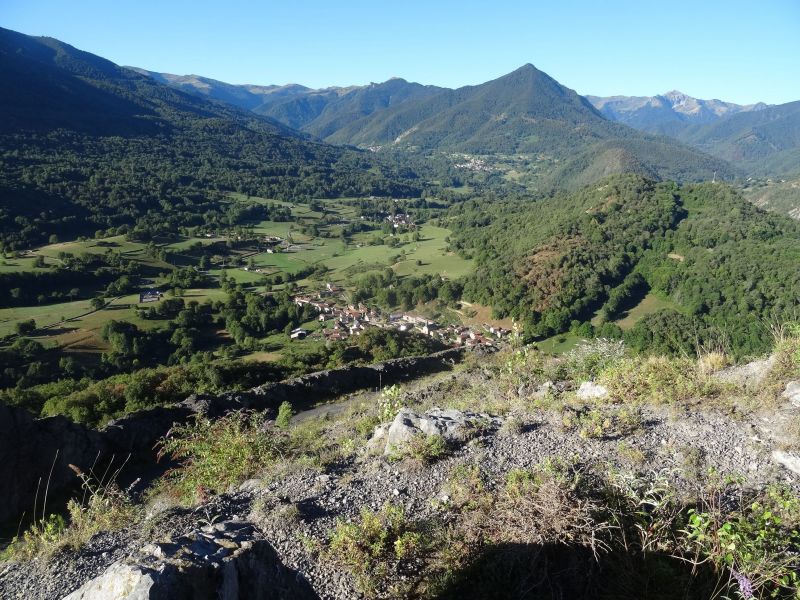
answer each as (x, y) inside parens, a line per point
(561, 572)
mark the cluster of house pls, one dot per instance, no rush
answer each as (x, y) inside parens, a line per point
(401, 221)
(343, 322)
(472, 164)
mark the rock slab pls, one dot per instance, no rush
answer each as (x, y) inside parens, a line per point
(453, 425)
(225, 561)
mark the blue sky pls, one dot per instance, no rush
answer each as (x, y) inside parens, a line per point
(732, 50)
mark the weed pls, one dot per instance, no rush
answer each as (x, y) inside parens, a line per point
(216, 455)
(284, 415)
(426, 448)
(104, 507)
(602, 422)
(757, 544)
(373, 545)
(588, 359)
(390, 403)
(366, 425)
(658, 380)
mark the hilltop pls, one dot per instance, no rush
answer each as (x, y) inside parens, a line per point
(511, 474)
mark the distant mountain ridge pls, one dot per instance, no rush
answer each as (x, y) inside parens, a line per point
(320, 112)
(667, 113)
(524, 111)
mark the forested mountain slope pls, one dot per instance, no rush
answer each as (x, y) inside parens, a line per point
(729, 266)
(764, 142)
(527, 111)
(89, 145)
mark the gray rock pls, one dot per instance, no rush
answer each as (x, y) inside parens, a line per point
(792, 393)
(788, 459)
(120, 581)
(590, 390)
(748, 375)
(452, 425)
(224, 560)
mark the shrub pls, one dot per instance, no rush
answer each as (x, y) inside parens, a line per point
(375, 543)
(216, 455)
(284, 415)
(588, 359)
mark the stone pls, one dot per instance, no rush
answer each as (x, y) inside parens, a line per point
(453, 425)
(788, 459)
(233, 564)
(792, 393)
(748, 375)
(590, 390)
(120, 581)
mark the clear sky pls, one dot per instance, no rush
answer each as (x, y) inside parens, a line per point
(728, 49)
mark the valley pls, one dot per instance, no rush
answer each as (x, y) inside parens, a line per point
(392, 340)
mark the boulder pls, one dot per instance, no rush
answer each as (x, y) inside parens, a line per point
(590, 390)
(792, 393)
(748, 375)
(453, 425)
(225, 560)
(789, 460)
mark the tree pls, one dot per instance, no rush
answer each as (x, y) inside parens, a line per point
(53, 239)
(98, 302)
(25, 327)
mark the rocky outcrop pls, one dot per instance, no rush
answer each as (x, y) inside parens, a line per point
(749, 375)
(225, 561)
(29, 446)
(35, 454)
(792, 393)
(453, 425)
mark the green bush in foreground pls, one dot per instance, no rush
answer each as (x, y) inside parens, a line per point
(216, 455)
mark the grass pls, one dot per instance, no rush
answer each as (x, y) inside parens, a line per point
(649, 304)
(44, 315)
(559, 344)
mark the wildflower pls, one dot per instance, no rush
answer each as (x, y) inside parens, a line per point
(745, 585)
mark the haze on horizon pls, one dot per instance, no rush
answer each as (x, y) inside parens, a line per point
(730, 51)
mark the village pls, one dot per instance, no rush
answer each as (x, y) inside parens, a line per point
(342, 322)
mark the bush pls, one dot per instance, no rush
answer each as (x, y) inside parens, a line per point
(375, 543)
(284, 415)
(588, 359)
(217, 455)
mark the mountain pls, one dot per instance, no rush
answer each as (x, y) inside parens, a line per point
(356, 103)
(667, 113)
(320, 112)
(250, 97)
(763, 142)
(527, 111)
(90, 145)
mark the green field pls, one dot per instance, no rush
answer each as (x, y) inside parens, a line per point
(75, 327)
(649, 304)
